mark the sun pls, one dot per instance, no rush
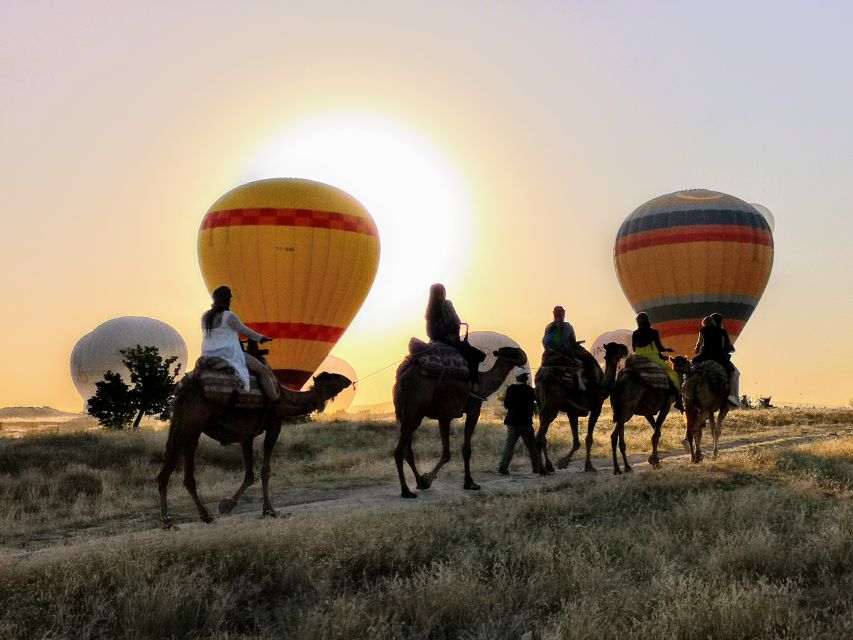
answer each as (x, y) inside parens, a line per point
(412, 191)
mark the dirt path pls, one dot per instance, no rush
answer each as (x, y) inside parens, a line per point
(447, 488)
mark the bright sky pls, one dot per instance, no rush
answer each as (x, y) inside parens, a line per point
(513, 137)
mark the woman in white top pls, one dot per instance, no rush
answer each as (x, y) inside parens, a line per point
(221, 329)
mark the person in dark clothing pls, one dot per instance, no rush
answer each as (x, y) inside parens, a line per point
(711, 345)
(645, 341)
(728, 349)
(520, 403)
(443, 324)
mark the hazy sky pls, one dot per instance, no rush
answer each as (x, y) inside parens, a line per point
(121, 123)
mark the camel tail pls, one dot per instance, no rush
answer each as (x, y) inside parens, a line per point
(178, 410)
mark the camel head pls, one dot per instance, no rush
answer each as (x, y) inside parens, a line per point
(328, 385)
(680, 364)
(513, 355)
(614, 352)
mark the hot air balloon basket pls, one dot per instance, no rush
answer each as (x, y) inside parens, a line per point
(649, 372)
(434, 360)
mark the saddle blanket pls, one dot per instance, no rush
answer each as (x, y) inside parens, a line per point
(713, 371)
(219, 384)
(434, 360)
(649, 372)
(559, 367)
(567, 376)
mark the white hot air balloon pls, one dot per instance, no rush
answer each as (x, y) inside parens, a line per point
(766, 214)
(622, 336)
(344, 399)
(99, 351)
(488, 342)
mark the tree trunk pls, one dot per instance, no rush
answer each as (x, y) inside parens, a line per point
(138, 419)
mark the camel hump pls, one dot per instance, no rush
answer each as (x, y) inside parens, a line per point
(713, 372)
(434, 360)
(650, 373)
(220, 384)
(416, 346)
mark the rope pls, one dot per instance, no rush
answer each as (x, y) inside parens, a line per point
(379, 370)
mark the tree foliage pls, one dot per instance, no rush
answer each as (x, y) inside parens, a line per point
(152, 385)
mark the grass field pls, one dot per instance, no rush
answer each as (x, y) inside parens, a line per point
(79, 477)
(756, 544)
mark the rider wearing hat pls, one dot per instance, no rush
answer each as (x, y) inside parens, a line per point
(560, 339)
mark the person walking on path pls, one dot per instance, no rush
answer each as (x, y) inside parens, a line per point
(520, 402)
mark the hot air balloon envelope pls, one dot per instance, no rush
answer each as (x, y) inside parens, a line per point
(99, 351)
(300, 257)
(766, 214)
(488, 342)
(622, 336)
(686, 255)
(344, 399)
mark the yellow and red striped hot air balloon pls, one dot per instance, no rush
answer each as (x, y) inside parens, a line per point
(300, 257)
(686, 255)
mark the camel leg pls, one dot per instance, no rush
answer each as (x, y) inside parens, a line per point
(403, 444)
(425, 482)
(714, 433)
(545, 466)
(189, 479)
(410, 459)
(698, 427)
(470, 423)
(719, 427)
(614, 440)
(593, 419)
(657, 425)
(227, 504)
(628, 467)
(563, 462)
(270, 438)
(654, 460)
(170, 461)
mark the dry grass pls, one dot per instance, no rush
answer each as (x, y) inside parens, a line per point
(754, 546)
(83, 478)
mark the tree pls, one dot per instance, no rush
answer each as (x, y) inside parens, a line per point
(153, 385)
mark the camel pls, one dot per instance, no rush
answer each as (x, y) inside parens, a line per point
(193, 415)
(632, 396)
(417, 396)
(706, 391)
(553, 397)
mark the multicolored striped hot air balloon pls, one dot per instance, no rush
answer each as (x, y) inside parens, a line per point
(300, 257)
(686, 255)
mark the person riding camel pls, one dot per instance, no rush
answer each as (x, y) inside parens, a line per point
(645, 341)
(714, 344)
(443, 324)
(560, 339)
(729, 349)
(221, 329)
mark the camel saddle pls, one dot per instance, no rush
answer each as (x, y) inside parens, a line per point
(649, 372)
(559, 367)
(434, 360)
(713, 371)
(220, 384)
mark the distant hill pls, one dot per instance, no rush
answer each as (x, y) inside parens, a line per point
(32, 412)
(381, 407)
